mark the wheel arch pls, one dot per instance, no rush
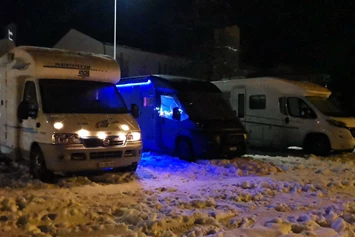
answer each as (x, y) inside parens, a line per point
(314, 135)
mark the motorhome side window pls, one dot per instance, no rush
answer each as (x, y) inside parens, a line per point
(168, 103)
(298, 108)
(257, 102)
(29, 94)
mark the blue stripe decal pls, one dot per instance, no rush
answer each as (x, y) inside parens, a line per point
(24, 129)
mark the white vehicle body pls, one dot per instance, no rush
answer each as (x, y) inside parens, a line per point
(56, 104)
(281, 113)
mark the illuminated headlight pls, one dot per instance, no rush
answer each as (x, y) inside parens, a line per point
(83, 133)
(122, 136)
(65, 138)
(101, 135)
(58, 125)
(134, 136)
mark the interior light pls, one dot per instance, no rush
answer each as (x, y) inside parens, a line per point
(101, 135)
(58, 125)
(83, 133)
(135, 84)
(124, 127)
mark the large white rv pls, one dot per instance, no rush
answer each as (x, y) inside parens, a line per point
(61, 110)
(281, 113)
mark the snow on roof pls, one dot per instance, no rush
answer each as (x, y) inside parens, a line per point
(277, 84)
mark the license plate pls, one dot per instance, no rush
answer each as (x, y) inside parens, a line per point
(106, 164)
(233, 148)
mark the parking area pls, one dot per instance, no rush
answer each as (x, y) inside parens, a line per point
(254, 195)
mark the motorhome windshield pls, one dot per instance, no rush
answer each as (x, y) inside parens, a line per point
(326, 106)
(206, 105)
(79, 96)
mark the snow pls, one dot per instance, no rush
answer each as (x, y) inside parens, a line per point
(255, 195)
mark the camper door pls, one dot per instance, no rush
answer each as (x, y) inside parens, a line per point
(237, 100)
(28, 109)
(171, 116)
(299, 119)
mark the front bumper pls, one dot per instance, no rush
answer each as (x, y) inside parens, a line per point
(75, 158)
(217, 146)
(342, 140)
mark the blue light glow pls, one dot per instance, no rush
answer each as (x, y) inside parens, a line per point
(135, 84)
(107, 169)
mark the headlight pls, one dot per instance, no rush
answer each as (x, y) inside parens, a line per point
(133, 136)
(83, 133)
(338, 124)
(65, 138)
(101, 135)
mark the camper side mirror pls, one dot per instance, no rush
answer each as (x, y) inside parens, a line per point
(176, 114)
(26, 110)
(134, 110)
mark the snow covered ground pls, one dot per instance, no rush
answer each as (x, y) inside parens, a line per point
(251, 196)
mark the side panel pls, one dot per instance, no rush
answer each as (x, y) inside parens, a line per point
(11, 91)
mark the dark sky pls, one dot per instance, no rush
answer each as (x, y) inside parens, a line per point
(319, 35)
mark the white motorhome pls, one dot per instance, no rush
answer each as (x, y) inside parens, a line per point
(61, 111)
(280, 113)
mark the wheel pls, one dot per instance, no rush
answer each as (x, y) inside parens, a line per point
(184, 150)
(318, 145)
(132, 168)
(38, 168)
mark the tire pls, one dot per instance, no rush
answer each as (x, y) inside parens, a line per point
(184, 150)
(318, 145)
(38, 168)
(133, 167)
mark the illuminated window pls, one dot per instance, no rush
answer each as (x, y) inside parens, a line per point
(168, 103)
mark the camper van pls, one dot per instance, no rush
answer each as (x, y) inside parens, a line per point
(61, 111)
(184, 116)
(280, 114)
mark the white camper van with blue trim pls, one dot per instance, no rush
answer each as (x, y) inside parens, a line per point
(61, 111)
(282, 113)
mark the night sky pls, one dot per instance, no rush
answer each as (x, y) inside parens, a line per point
(314, 35)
